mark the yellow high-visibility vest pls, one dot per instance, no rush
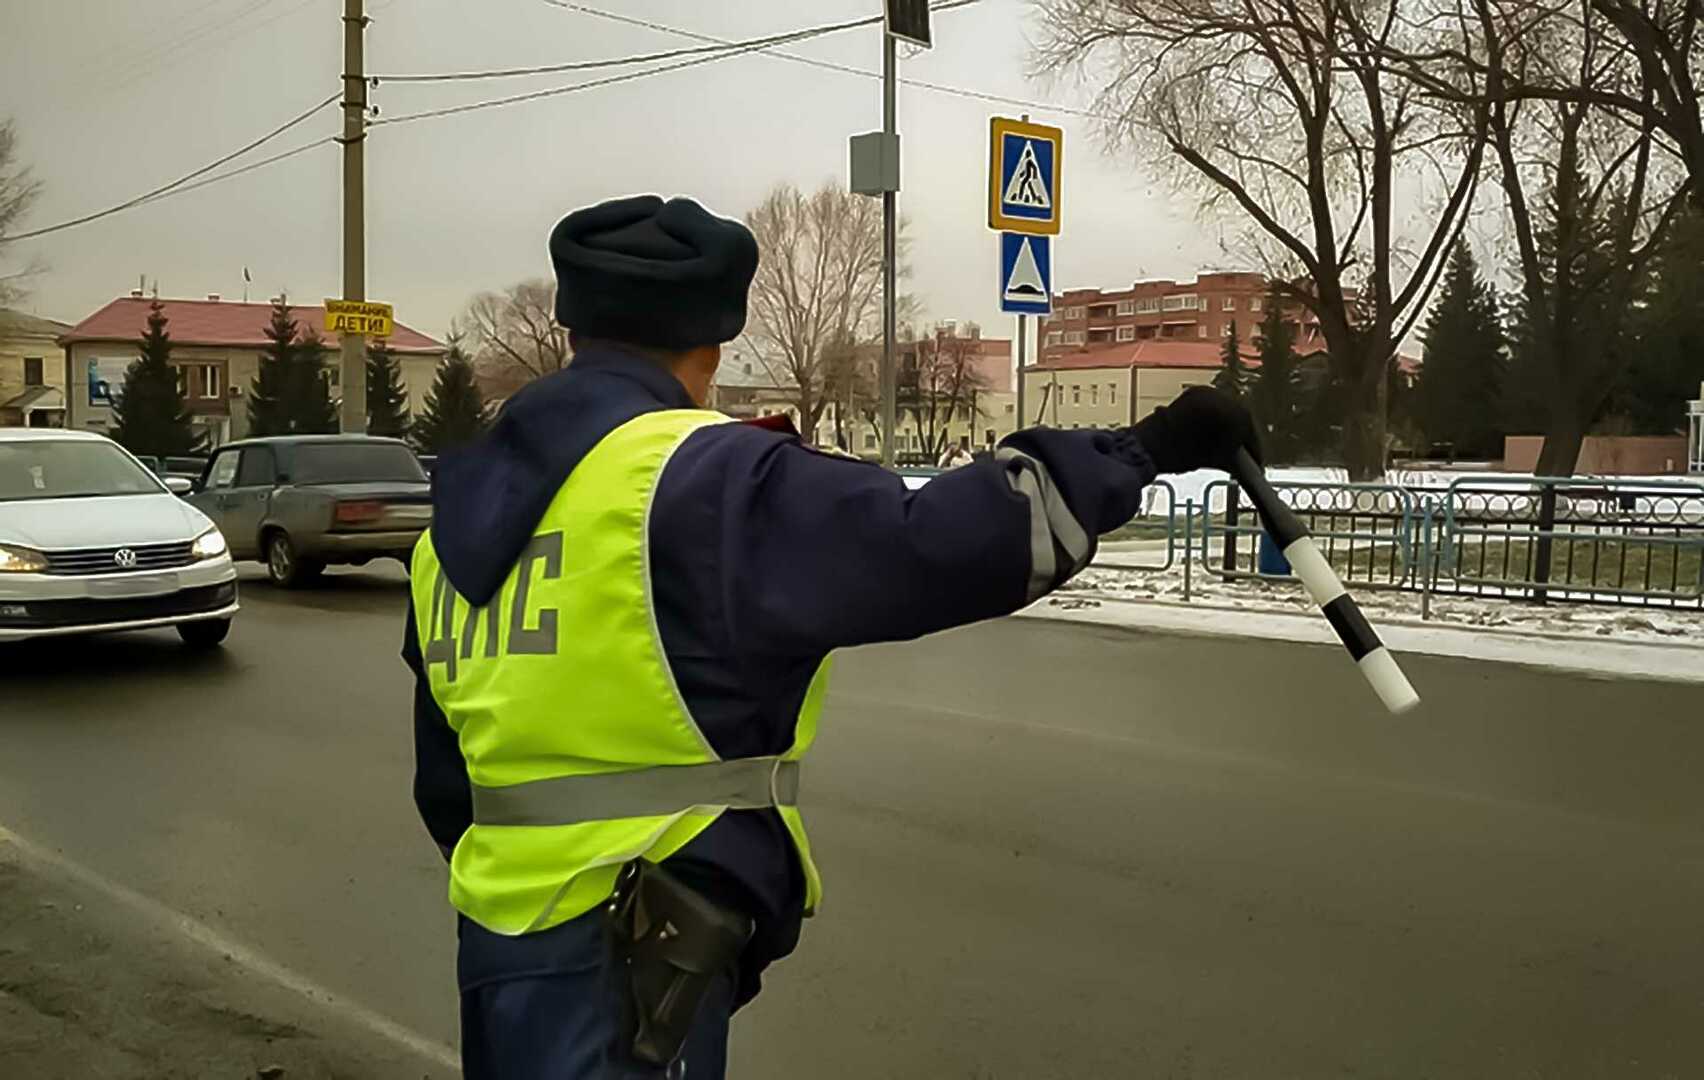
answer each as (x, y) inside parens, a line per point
(581, 751)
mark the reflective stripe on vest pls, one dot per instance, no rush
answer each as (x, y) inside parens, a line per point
(741, 784)
(581, 752)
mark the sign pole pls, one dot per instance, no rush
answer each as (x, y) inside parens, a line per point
(1023, 347)
(353, 350)
(890, 256)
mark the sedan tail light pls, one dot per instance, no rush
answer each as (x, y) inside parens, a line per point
(356, 513)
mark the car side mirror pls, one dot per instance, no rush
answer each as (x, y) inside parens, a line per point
(179, 485)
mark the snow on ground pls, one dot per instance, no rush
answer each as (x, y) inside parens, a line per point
(1616, 641)
(1480, 612)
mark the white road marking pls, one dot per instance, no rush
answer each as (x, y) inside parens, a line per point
(237, 953)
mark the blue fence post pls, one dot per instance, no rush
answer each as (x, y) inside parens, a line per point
(1188, 544)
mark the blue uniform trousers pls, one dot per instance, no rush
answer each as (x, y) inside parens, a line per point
(544, 1006)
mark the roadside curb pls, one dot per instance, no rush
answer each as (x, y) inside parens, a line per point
(1590, 655)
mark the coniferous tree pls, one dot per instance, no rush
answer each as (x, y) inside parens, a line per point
(1460, 389)
(1276, 393)
(311, 408)
(291, 394)
(1232, 376)
(151, 417)
(270, 389)
(387, 398)
(1571, 337)
(1667, 367)
(455, 412)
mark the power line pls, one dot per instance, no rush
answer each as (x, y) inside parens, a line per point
(717, 45)
(622, 61)
(829, 65)
(723, 51)
(250, 167)
(719, 49)
(180, 182)
(715, 49)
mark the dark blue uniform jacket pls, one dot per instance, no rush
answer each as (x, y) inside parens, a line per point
(766, 555)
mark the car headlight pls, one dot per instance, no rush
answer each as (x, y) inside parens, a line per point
(21, 560)
(210, 545)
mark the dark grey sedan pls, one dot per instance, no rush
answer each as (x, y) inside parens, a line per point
(299, 503)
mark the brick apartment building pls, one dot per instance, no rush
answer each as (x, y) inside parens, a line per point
(1201, 310)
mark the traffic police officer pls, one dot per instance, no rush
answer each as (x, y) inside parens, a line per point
(621, 626)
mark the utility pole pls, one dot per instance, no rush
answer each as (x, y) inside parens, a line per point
(353, 358)
(890, 251)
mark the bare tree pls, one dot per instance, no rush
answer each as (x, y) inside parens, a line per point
(1662, 38)
(1289, 113)
(941, 384)
(1590, 188)
(18, 190)
(818, 286)
(514, 332)
(1645, 66)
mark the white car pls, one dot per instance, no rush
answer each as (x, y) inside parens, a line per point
(92, 541)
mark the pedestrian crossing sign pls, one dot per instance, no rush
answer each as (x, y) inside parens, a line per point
(1023, 177)
(1026, 274)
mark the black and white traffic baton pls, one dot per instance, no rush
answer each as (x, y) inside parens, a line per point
(1358, 636)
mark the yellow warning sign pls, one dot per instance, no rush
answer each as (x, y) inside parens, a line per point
(365, 317)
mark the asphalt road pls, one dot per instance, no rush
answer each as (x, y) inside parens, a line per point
(1050, 850)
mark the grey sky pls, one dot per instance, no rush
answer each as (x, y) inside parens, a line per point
(113, 98)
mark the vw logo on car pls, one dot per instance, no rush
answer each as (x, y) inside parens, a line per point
(124, 559)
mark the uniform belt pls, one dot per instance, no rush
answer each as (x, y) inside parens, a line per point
(657, 791)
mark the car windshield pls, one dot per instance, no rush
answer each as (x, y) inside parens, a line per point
(70, 469)
(354, 462)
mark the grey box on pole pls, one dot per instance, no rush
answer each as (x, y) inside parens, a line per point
(875, 163)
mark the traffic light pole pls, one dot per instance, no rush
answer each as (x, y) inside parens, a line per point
(353, 353)
(890, 256)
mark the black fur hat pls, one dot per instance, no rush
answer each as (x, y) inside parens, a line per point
(669, 275)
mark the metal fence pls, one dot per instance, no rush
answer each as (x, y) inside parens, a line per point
(1538, 539)
(1543, 539)
(1368, 531)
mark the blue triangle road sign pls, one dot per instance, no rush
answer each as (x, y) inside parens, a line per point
(1026, 274)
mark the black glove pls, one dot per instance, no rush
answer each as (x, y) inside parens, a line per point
(1202, 429)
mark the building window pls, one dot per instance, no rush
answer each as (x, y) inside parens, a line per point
(989, 437)
(32, 371)
(1073, 337)
(1112, 393)
(1094, 395)
(1230, 304)
(1054, 337)
(1010, 408)
(1074, 427)
(1189, 302)
(869, 441)
(1201, 330)
(210, 383)
(1149, 305)
(182, 379)
(1254, 303)
(1073, 312)
(1076, 394)
(1127, 307)
(1127, 333)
